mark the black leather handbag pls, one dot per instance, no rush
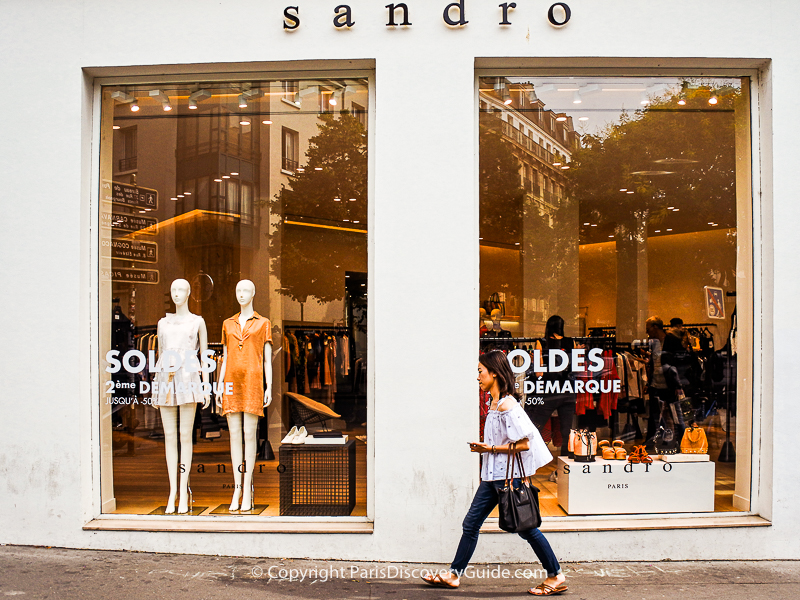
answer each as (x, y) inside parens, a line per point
(518, 506)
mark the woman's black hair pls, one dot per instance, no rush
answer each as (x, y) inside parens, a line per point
(554, 326)
(497, 363)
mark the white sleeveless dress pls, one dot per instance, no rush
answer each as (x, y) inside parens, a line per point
(178, 336)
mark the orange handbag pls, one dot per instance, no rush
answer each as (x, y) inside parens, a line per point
(694, 440)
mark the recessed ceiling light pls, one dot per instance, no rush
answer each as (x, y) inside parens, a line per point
(557, 164)
(611, 236)
(561, 119)
(713, 100)
(565, 167)
(180, 195)
(516, 243)
(135, 106)
(173, 198)
(301, 170)
(629, 192)
(675, 209)
(710, 222)
(142, 211)
(318, 168)
(267, 122)
(234, 173)
(594, 224)
(337, 199)
(670, 207)
(715, 225)
(115, 127)
(658, 231)
(187, 193)
(218, 180)
(352, 199)
(682, 102)
(583, 118)
(244, 122)
(226, 176)
(623, 189)
(587, 223)
(346, 220)
(669, 229)
(356, 221)
(347, 276)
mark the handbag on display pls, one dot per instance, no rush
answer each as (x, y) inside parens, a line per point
(518, 506)
(694, 440)
(585, 446)
(664, 442)
(494, 303)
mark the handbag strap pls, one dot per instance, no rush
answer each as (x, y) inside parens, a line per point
(514, 458)
(510, 456)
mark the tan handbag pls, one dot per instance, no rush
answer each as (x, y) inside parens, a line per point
(585, 445)
(694, 440)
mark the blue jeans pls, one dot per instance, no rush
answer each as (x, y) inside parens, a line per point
(482, 504)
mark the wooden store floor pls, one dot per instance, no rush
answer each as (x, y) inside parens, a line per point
(141, 485)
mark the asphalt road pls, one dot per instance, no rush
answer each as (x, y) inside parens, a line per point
(54, 573)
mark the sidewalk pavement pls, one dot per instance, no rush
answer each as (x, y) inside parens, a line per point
(55, 573)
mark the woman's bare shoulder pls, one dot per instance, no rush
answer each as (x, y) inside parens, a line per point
(507, 404)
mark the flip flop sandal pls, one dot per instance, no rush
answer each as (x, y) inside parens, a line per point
(547, 590)
(439, 581)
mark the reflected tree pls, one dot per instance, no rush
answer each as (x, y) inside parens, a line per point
(324, 198)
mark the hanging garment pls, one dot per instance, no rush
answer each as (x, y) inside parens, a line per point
(179, 336)
(608, 397)
(244, 367)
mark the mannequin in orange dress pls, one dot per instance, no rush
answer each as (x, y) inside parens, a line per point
(247, 364)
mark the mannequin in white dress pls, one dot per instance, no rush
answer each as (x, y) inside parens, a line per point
(180, 336)
(239, 419)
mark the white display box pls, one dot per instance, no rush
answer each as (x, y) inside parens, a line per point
(612, 487)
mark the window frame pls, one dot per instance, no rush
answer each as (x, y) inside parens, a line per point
(751, 252)
(92, 512)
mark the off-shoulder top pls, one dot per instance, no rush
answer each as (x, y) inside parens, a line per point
(504, 427)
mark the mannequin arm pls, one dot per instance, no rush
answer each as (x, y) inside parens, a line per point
(202, 334)
(221, 383)
(268, 374)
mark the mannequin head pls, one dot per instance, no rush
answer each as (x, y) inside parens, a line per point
(179, 291)
(496, 314)
(482, 314)
(245, 291)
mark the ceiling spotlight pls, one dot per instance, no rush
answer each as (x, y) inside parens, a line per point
(670, 208)
(226, 176)
(187, 193)
(594, 224)
(587, 223)
(356, 221)
(623, 189)
(122, 97)
(682, 102)
(180, 195)
(629, 192)
(300, 170)
(244, 122)
(234, 173)
(561, 118)
(242, 101)
(197, 96)
(583, 118)
(669, 229)
(675, 209)
(352, 199)
(173, 198)
(318, 168)
(267, 122)
(556, 164)
(645, 100)
(337, 199)
(576, 98)
(332, 101)
(218, 180)
(565, 167)
(135, 106)
(713, 100)
(658, 231)
(163, 98)
(115, 127)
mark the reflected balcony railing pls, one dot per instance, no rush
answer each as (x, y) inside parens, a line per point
(128, 164)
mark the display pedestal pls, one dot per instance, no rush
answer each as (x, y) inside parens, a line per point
(613, 487)
(317, 480)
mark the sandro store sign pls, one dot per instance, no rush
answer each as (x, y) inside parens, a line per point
(454, 15)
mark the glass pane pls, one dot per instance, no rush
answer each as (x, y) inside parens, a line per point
(609, 212)
(195, 205)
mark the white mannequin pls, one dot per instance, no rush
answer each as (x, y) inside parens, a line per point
(496, 320)
(238, 421)
(180, 291)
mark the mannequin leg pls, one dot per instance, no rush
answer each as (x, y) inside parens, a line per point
(250, 447)
(187, 428)
(235, 429)
(169, 419)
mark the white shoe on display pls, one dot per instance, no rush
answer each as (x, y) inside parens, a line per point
(290, 436)
(301, 436)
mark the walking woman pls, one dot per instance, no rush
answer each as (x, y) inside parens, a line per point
(506, 423)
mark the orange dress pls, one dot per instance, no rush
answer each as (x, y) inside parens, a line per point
(244, 367)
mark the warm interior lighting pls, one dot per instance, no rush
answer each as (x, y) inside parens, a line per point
(629, 192)
(561, 119)
(115, 127)
(337, 199)
(267, 122)
(234, 173)
(587, 223)
(226, 176)
(318, 168)
(556, 164)
(583, 118)
(173, 198)
(180, 195)
(623, 189)
(352, 199)
(565, 167)
(167, 107)
(713, 100)
(134, 106)
(332, 101)
(682, 102)
(244, 122)
(218, 180)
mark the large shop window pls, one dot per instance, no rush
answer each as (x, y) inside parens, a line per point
(233, 298)
(614, 237)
